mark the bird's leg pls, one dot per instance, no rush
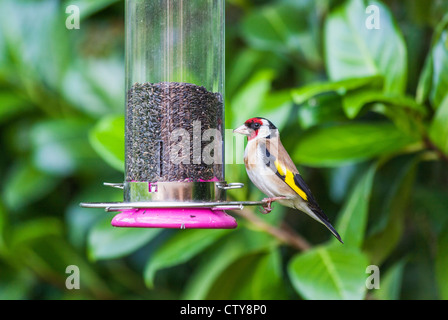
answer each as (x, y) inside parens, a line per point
(269, 201)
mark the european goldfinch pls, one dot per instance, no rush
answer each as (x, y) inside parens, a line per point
(271, 170)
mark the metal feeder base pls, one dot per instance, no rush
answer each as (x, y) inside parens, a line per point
(187, 205)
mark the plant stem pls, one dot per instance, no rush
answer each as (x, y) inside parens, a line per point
(431, 146)
(285, 234)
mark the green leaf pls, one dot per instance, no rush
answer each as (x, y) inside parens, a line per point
(352, 220)
(217, 260)
(425, 81)
(353, 142)
(248, 100)
(38, 50)
(353, 50)
(426, 201)
(247, 63)
(107, 138)
(60, 146)
(277, 107)
(30, 231)
(240, 69)
(4, 226)
(276, 28)
(355, 100)
(342, 179)
(390, 285)
(329, 273)
(300, 95)
(267, 278)
(25, 184)
(11, 104)
(405, 121)
(253, 276)
(324, 108)
(438, 131)
(183, 246)
(433, 81)
(107, 242)
(442, 263)
(387, 217)
(89, 7)
(49, 256)
(79, 220)
(439, 60)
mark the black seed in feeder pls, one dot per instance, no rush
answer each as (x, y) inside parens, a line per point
(155, 111)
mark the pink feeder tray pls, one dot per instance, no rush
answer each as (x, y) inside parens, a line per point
(184, 218)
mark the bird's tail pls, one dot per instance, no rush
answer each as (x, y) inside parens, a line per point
(317, 214)
(333, 230)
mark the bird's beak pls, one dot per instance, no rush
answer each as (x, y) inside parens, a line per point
(242, 130)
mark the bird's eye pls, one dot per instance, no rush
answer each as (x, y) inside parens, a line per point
(256, 126)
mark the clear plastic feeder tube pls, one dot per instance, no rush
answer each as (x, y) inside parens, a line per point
(175, 94)
(174, 150)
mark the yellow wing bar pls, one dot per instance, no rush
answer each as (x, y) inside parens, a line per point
(288, 177)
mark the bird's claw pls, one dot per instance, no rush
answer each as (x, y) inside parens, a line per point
(264, 210)
(267, 209)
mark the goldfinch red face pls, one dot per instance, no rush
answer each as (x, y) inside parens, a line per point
(255, 128)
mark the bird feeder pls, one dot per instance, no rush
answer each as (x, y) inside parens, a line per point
(174, 128)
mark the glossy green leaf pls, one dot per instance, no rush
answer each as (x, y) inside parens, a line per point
(341, 87)
(390, 283)
(438, 131)
(60, 147)
(107, 138)
(253, 276)
(442, 263)
(387, 217)
(11, 104)
(267, 278)
(324, 108)
(15, 286)
(342, 179)
(25, 184)
(352, 220)
(277, 107)
(49, 256)
(217, 260)
(247, 63)
(89, 7)
(355, 100)
(33, 230)
(276, 28)
(329, 273)
(439, 59)
(427, 200)
(79, 220)
(184, 245)
(34, 35)
(249, 98)
(425, 81)
(353, 50)
(352, 142)
(4, 223)
(108, 242)
(405, 120)
(432, 83)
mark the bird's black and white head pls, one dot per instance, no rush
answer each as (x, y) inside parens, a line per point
(256, 128)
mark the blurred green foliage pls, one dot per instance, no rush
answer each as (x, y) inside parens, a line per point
(363, 112)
